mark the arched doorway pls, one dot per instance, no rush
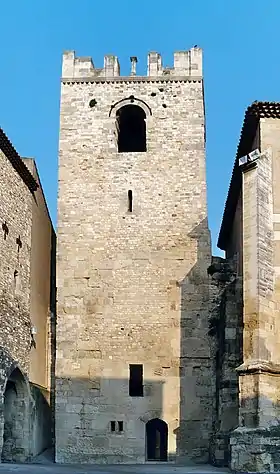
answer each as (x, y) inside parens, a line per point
(16, 419)
(156, 440)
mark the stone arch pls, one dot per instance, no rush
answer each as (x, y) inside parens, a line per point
(128, 101)
(17, 408)
(130, 116)
(150, 414)
(156, 440)
(14, 369)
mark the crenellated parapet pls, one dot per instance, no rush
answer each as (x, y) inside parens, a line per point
(73, 67)
(186, 64)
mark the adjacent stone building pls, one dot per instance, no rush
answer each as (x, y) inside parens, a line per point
(134, 371)
(250, 298)
(27, 308)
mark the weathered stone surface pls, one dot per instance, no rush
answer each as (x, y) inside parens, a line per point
(225, 328)
(252, 241)
(132, 286)
(25, 248)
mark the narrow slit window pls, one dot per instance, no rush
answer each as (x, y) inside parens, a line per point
(136, 380)
(129, 201)
(16, 282)
(120, 426)
(113, 426)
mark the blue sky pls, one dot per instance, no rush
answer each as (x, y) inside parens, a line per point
(240, 39)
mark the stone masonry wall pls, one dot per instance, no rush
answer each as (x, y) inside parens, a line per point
(24, 412)
(16, 212)
(40, 282)
(258, 375)
(16, 218)
(132, 287)
(270, 133)
(226, 333)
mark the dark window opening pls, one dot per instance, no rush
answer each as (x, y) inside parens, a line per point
(156, 440)
(116, 426)
(136, 380)
(131, 126)
(5, 229)
(19, 243)
(129, 201)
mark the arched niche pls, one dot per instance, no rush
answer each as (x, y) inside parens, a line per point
(17, 403)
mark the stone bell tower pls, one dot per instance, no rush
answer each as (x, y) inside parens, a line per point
(134, 372)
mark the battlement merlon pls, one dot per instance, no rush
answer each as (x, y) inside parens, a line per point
(186, 64)
(75, 67)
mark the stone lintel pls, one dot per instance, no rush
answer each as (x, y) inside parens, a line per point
(258, 367)
(249, 166)
(240, 431)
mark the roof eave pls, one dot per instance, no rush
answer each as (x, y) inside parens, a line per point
(253, 114)
(16, 161)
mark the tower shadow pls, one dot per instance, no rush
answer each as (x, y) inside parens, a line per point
(197, 375)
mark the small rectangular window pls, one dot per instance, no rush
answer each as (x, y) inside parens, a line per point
(116, 426)
(136, 380)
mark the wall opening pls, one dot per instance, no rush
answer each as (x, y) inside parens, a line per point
(136, 380)
(16, 419)
(131, 126)
(41, 426)
(129, 200)
(156, 440)
(116, 426)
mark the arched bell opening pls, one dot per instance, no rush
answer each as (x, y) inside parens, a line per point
(131, 128)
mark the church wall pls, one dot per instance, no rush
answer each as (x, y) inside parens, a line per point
(270, 135)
